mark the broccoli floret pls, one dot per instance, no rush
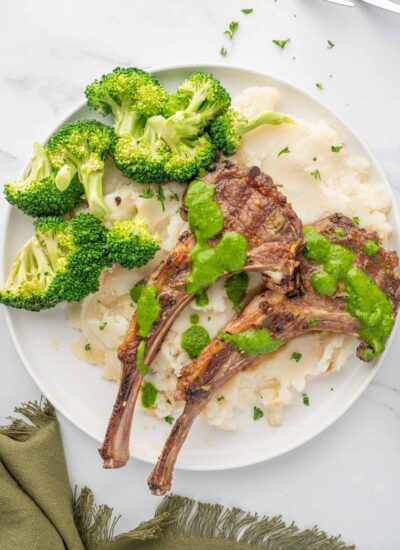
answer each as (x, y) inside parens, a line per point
(143, 159)
(37, 194)
(81, 147)
(227, 130)
(131, 95)
(62, 261)
(197, 101)
(130, 243)
(189, 157)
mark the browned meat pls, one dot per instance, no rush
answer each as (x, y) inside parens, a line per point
(285, 318)
(253, 207)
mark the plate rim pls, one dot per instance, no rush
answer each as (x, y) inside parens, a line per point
(395, 211)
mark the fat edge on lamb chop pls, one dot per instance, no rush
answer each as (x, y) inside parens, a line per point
(284, 317)
(251, 206)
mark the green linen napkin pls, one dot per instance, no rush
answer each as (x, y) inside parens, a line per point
(39, 512)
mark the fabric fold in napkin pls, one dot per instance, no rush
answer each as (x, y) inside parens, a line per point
(38, 510)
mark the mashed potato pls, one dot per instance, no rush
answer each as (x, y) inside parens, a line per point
(318, 182)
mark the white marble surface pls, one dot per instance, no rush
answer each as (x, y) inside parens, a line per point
(347, 480)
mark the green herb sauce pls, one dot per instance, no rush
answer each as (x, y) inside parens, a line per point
(194, 340)
(135, 292)
(202, 298)
(149, 394)
(148, 309)
(140, 364)
(236, 288)
(194, 318)
(254, 342)
(366, 301)
(206, 220)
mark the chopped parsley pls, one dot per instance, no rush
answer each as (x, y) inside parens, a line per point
(147, 193)
(202, 298)
(247, 11)
(330, 44)
(194, 319)
(281, 43)
(174, 197)
(223, 51)
(314, 159)
(316, 174)
(296, 356)
(88, 347)
(220, 398)
(236, 288)
(233, 27)
(103, 325)
(371, 248)
(194, 340)
(135, 292)
(149, 394)
(340, 232)
(169, 419)
(336, 148)
(313, 322)
(319, 85)
(140, 364)
(284, 151)
(257, 413)
(161, 197)
(306, 400)
(356, 220)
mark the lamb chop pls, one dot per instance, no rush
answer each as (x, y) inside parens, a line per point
(285, 317)
(252, 206)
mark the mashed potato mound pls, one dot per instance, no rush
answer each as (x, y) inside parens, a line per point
(318, 182)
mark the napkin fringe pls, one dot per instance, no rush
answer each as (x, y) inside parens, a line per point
(215, 521)
(96, 524)
(38, 414)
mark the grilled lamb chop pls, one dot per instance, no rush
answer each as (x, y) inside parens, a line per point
(253, 207)
(285, 318)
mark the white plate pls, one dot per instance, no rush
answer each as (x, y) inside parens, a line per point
(77, 390)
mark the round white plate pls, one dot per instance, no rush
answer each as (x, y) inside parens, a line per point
(77, 390)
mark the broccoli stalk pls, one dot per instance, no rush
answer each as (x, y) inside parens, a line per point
(37, 194)
(81, 147)
(131, 243)
(228, 130)
(61, 262)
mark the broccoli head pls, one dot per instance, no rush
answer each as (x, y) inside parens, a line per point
(37, 194)
(62, 261)
(130, 95)
(143, 159)
(80, 148)
(227, 130)
(131, 243)
(197, 101)
(188, 157)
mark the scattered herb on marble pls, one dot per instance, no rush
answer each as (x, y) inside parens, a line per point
(247, 11)
(330, 44)
(319, 85)
(281, 43)
(223, 51)
(233, 27)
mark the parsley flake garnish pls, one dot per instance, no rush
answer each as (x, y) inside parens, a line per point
(246, 11)
(220, 398)
(330, 44)
(223, 51)
(281, 43)
(340, 232)
(148, 193)
(313, 322)
(316, 174)
(296, 356)
(149, 394)
(306, 400)
(257, 413)
(233, 27)
(169, 419)
(88, 347)
(319, 85)
(336, 148)
(356, 220)
(174, 197)
(161, 197)
(284, 151)
(102, 326)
